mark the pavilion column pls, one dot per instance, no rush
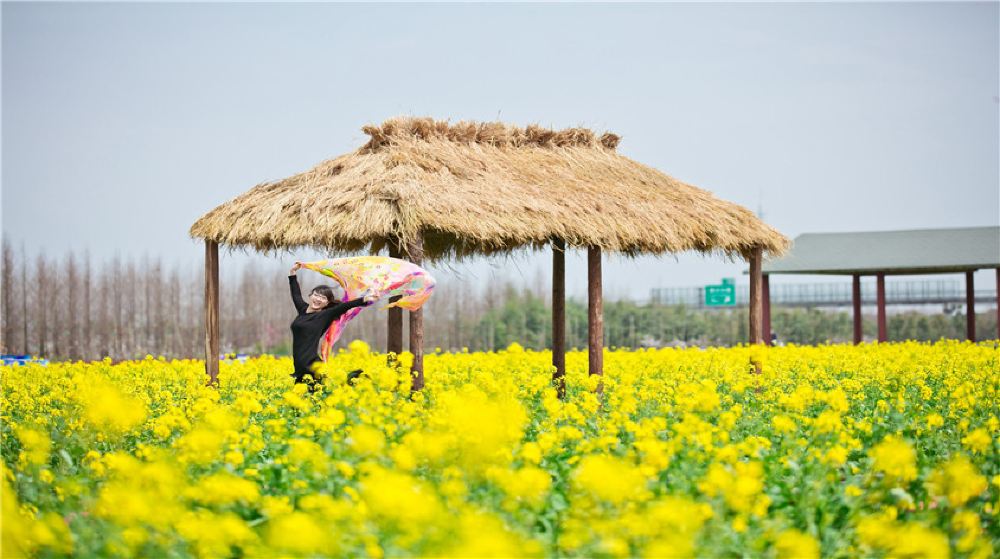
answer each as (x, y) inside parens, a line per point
(415, 251)
(212, 312)
(970, 306)
(756, 334)
(766, 302)
(595, 316)
(559, 316)
(856, 301)
(394, 325)
(880, 304)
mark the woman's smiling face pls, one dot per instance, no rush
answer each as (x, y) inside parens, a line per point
(317, 301)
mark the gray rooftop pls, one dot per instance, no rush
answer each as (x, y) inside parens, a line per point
(919, 251)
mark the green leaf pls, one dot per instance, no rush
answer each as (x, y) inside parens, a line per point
(65, 456)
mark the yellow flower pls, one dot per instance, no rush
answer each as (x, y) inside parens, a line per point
(531, 453)
(528, 484)
(234, 458)
(456, 469)
(201, 446)
(896, 459)
(610, 479)
(214, 535)
(35, 446)
(934, 420)
(835, 456)
(300, 534)
(23, 535)
(484, 535)
(296, 400)
(399, 499)
(796, 545)
(275, 506)
(902, 540)
(366, 440)
(828, 422)
(109, 410)
(853, 491)
(223, 489)
(741, 485)
(359, 348)
(783, 424)
(308, 455)
(958, 480)
(978, 440)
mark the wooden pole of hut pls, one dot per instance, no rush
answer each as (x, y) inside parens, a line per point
(766, 304)
(559, 316)
(880, 306)
(394, 325)
(756, 290)
(756, 301)
(856, 303)
(970, 306)
(595, 316)
(415, 251)
(212, 312)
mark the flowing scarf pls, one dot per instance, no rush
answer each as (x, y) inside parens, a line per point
(380, 275)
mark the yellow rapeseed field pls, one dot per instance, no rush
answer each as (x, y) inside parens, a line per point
(876, 450)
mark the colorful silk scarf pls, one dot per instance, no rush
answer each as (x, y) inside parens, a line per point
(381, 275)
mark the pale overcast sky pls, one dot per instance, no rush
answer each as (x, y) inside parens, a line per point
(123, 123)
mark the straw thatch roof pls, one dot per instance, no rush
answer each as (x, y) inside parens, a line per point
(483, 188)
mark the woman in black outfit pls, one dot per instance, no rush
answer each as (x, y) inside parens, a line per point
(312, 322)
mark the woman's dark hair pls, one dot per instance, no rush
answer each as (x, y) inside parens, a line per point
(326, 291)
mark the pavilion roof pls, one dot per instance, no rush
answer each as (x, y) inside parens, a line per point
(918, 251)
(485, 188)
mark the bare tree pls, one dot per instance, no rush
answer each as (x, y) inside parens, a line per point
(105, 319)
(25, 347)
(144, 290)
(124, 308)
(86, 343)
(174, 323)
(158, 286)
(8, 299)
(41, 304)
(69, 318)
(116, 290)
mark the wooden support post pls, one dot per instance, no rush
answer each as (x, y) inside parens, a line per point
(595, 316)
(998, 306)
(415, 251)
(856, 301)
(394, 325)
(766, 302)
(880, 304)
(212, 312)
(756, 335)
(559, 316)
(970, 306)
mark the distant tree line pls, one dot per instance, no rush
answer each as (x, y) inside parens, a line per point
(68, 308)
(524, 317)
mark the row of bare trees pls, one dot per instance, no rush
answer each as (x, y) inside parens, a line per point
(69, 307)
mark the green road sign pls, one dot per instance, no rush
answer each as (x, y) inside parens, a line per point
(723, 295)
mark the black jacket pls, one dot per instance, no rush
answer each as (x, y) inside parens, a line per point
(308, 328)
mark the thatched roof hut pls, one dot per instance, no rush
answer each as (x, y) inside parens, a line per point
(423, 188)
(483, 188)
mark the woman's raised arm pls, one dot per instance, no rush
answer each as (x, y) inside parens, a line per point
(333, 312)
(300, 304)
